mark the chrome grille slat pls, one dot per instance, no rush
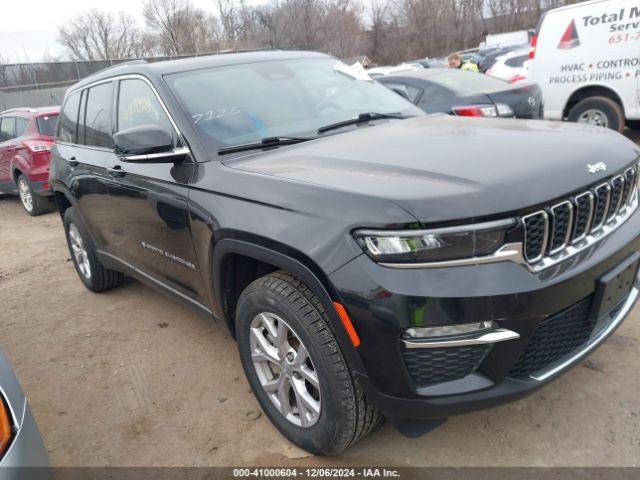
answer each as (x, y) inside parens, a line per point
(583, 205)
(617, 188)
(602, 194)
(629, 182)
(536, 228)
(568, 226)
(561, 226)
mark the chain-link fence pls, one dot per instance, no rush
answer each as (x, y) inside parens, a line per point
(43, 84)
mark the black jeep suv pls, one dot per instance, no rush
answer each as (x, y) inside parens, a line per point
(369, 259)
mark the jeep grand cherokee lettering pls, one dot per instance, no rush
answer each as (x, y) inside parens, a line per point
(367, 266)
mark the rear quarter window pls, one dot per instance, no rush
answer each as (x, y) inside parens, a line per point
(68, 121)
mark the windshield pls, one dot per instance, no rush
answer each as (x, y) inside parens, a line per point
(47, 124)
(245, 103)
(461, 81)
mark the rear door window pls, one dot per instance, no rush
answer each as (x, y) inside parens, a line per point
(97, 124)
(7, 129)
(21, 126)
(68, 125)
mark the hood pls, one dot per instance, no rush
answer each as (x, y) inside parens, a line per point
(441, 168)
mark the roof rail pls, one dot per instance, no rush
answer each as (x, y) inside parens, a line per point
(114, 66)
(19, 109)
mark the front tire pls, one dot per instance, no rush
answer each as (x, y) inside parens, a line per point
(95, 276)
(598, 111)
(33, 203)
(296, 369)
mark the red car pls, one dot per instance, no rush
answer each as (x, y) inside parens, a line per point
(26, 137)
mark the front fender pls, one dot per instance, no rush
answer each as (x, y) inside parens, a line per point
(309, 274)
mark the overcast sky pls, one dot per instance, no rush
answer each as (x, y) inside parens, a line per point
(29, 28)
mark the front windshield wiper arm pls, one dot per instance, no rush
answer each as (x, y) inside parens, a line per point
(362, 118)
(268, 142)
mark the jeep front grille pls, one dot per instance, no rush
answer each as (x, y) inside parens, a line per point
(549, 232)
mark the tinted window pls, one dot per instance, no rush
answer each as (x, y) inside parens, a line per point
(461, 81)
(21, 126)
(517, 61)
(7, 129)
(138, 105)
(97, 126)
(47, 124)
(68, 124)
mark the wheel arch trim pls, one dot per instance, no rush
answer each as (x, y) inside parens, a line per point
(596, 85)
(228, 246)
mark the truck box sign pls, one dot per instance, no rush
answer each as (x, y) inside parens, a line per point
(614, 20)
(590, 44)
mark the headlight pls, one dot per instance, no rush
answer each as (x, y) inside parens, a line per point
(435, 245)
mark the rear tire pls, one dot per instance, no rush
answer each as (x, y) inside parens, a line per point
(95, 276)
(598, 111)
(340, 413)
(33, 203)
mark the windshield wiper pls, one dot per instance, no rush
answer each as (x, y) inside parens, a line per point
(362, 118)
(267, 142)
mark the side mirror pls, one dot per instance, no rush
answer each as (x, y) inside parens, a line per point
(145, 143)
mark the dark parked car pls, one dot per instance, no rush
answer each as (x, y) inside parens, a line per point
(369, 259)
(464, 93)
(26, 136)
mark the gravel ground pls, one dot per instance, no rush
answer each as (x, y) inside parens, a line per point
(130, 378)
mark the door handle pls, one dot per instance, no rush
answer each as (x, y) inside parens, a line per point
(73, 162)
(116, 171)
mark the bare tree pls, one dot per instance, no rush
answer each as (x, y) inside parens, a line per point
(180, 27)
(100, 35)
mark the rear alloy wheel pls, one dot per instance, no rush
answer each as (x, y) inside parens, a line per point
(95, 276)
(598, 111)
(33, 203)
(79, 252)
(296, 369)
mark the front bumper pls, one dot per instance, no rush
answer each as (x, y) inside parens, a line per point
(384, 302)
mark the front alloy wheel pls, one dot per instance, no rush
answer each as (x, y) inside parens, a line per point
(296, 368)
(285, 369)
